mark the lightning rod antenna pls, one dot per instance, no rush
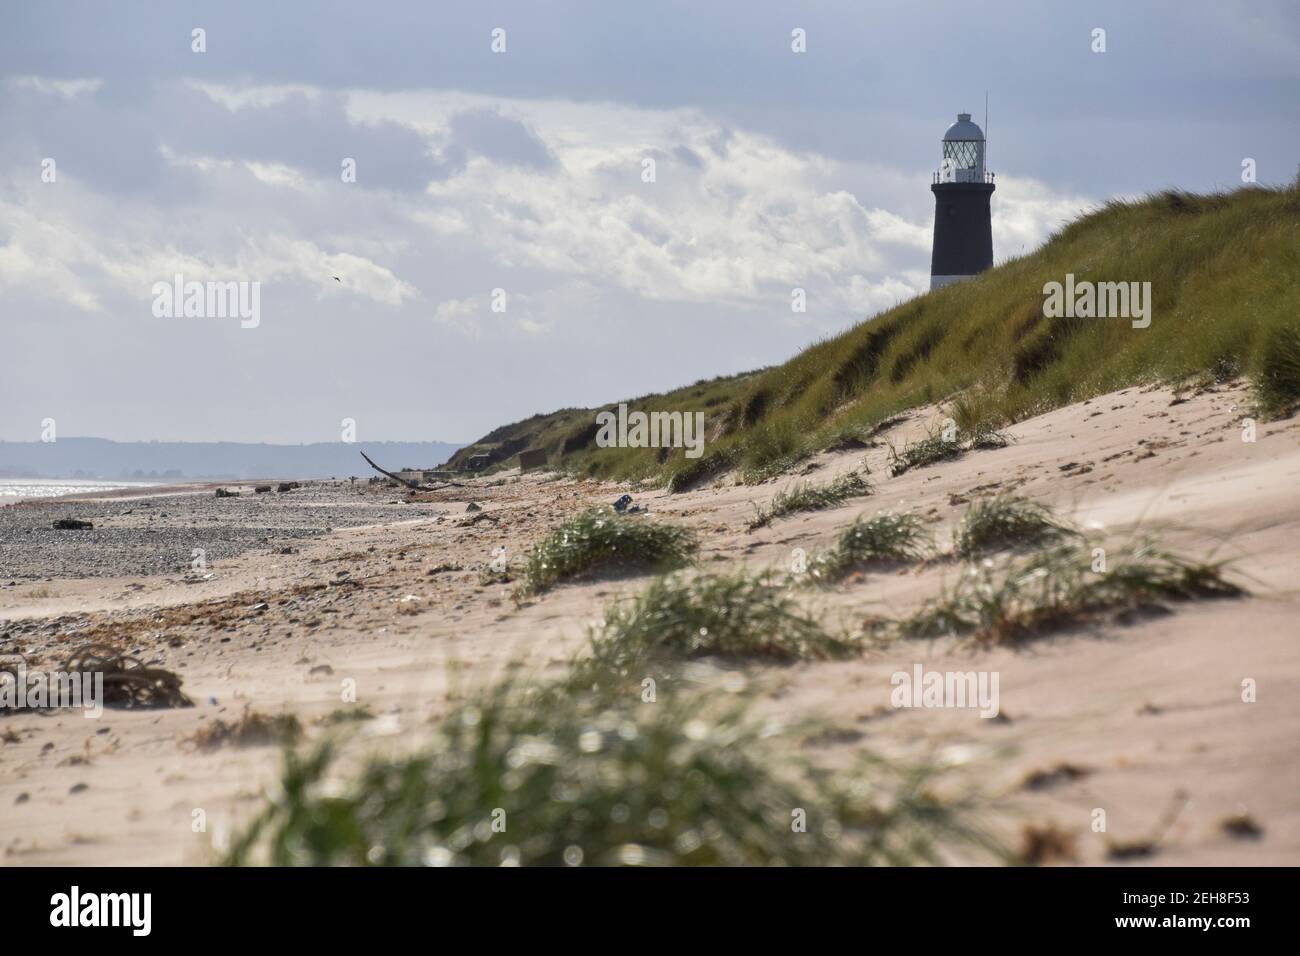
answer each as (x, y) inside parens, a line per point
(986, 129)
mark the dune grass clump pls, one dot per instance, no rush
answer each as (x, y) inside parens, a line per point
(811, 497)
(678, 618)
(1277, 386)
(1005, 522)
(933, 448)
(986, 436)
(880, 540)
(601, 540)
(937, 446)
(1058, 588)
(693, 471)
(346, 715)
(770, 448)
(520, 778)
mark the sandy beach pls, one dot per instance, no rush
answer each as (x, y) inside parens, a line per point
(306, 591)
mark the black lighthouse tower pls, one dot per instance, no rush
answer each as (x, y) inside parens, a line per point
(963, 224)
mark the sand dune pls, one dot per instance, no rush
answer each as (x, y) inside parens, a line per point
(1144, 719)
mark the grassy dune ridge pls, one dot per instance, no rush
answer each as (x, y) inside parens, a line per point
(1225, 287)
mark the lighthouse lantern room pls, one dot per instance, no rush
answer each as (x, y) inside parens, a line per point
(963, 224)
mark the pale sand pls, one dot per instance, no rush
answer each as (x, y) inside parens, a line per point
(1151, 709)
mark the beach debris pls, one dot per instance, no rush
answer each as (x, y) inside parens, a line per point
(1242, 826)
(410, 604)
(252, 729)
(1047, 843)
(223, 493)
(413, 485)
(1063, 772)
(73, 524)
(624, 506)
(128, 681)
(1145, 847)
(497, 570)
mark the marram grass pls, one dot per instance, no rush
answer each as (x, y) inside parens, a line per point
(811, 497)
(880, 540)
(520, 777)
(1061, 586)
(930, 450)
(600, 539)
(1225, 276)
(1004, 523)
(682, 617)
(1277, 386)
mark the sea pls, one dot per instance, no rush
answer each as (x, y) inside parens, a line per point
(21, 489)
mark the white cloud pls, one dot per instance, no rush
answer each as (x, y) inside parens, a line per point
(257, 96)
(689, 275)
(275, 174)
(1026, 212)
(282, 257)
(464, 315)
(61, 257)
(532, 314)
(67, 89)
(731, 219)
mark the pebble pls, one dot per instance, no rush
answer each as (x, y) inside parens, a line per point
(129, 547)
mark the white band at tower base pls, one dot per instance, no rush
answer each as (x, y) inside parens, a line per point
(938, 282)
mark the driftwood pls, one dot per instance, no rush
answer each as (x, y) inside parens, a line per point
(128, 681)
(413, 485)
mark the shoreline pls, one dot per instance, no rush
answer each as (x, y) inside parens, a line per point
(198, 486)
(165, 530)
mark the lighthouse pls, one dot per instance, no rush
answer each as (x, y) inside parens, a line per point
(963, 223)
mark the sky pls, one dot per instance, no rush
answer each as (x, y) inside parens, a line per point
(500, 252)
